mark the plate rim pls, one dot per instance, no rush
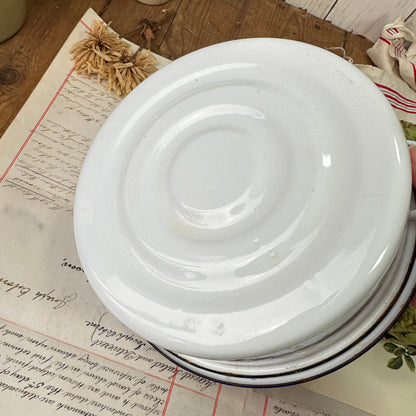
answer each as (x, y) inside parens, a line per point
(97, 287)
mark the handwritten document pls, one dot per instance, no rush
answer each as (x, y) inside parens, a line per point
(61, 351)
(48, 168)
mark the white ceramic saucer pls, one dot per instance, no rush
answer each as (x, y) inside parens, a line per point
(245, 200)
(359, 334)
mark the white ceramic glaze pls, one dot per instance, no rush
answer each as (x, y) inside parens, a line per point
(368, 325)
(244, 200)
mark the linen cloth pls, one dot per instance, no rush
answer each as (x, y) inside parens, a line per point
(394, 57)
(395, 51)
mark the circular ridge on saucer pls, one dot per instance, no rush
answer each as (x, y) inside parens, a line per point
(245, 199)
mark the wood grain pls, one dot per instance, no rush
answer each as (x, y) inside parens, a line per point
(365, 18)
(26, 56)
(275, 18)
(368, 18)
(356, 48)
(126, 15)
(318, 8)
(191, 24)
(201, 23)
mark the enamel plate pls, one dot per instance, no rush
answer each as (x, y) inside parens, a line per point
(358, 335)
(245, 200)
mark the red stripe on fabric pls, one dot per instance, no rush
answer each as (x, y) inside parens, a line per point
(395, 99)
(400, 106)
(395, 92)
(392, 30)
(414, 72)
(266, 402)
(214, 410)
(385, 40)
(36, 125)
(170, 391)
(398, 50)
(402, 109)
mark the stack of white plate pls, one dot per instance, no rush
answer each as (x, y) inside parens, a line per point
(245, 209)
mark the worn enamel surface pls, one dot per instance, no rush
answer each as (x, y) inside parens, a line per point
(243, 200)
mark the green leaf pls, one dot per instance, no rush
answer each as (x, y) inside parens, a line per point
(411, 350)
(389, 346)
(402, 338)
(410, 363)
(410, 338)
(399, 351)
(395, 363)
(409, 130)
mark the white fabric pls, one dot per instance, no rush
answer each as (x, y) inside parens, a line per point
(398, 93)
(395, 52)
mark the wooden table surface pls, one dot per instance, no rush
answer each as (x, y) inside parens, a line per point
(189, 25)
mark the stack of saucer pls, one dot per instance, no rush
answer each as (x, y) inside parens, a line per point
(245, 209)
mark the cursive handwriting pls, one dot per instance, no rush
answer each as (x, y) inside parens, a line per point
(101, 330)
(58, 302)
(43, 370)
(67, 264)
(129, 347)
(18, 289)
(48, 168)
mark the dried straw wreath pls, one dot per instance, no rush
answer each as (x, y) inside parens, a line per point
(104, 55)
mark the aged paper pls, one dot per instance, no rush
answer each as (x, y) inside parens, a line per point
(61, 351)
(368, 384)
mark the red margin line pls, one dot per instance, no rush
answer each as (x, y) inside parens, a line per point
(192, 391)
(103, 357)
(81, 21)
(172, 383)
(91, 352)
(36, 125)
(266, 402)
(214, 410)
(41, 118)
